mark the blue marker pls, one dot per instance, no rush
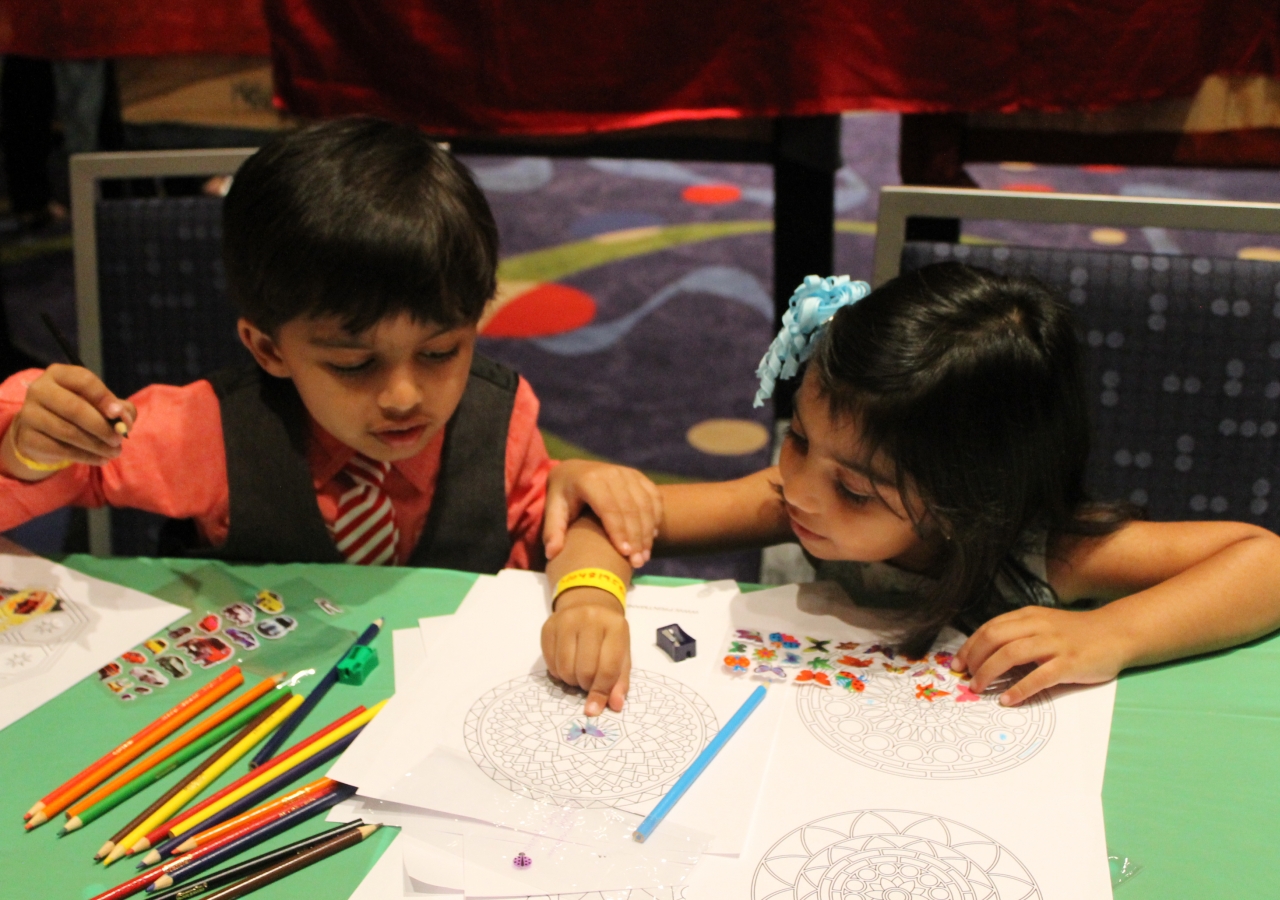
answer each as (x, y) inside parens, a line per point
(695, 768)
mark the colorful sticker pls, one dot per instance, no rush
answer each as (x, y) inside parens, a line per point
(239, 614)
(781, 639)
(850, 682)
(846, 645)
(176, 666)
(210, 623)
(23, 606)
(765, 653)
(791, 658)
(269, 602)
(177, 634)
(944, 658)
(752, 637)
(243, 638)
(819, 663)
(896, 670)
(737, 663)
(289, 622)
(126, 696)
(116, 685)
(808, 676)
(110, 670)
(929, 692)
(136, 657)
(817, 646)
(274, 629)
(141, 690)
(966, 694)
(156, 645)
(329, 606)
(738, 647)
(854, 662)
(148, 675)
(883, 650)
(522, 860)
(207, 652)
(772, 673)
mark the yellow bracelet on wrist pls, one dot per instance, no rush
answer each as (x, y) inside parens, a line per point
(39, 466)
(596, 578)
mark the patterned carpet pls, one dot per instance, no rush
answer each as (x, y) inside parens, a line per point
(636, 294)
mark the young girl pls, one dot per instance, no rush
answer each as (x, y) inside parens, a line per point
(935, 465)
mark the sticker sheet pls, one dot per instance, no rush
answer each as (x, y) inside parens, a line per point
(58, 626)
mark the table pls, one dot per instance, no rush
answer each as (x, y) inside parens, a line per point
(1190, 796)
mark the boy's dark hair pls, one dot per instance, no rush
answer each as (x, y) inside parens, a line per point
(972, 385)
(358, 218)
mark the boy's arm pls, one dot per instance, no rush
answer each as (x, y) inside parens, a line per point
(585, 641)
(720, 516)
(1184, 588)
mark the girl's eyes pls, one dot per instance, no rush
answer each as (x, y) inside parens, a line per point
(852, 496)
(801, 442)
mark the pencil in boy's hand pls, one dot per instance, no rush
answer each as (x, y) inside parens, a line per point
(294, 863)
(316, 695)
(117, 425)
(140, 743)
(199, 770)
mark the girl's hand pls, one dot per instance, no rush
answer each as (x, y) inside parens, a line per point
(1067, 648)
(626, 502)
(586, 642)
(64, 420)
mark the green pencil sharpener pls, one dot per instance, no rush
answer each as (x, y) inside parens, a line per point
(355, 667)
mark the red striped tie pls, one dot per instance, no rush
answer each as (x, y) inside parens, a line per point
(365, 529)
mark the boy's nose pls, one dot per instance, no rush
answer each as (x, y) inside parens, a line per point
(400, 393)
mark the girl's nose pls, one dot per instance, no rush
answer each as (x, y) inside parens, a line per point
(799, 482)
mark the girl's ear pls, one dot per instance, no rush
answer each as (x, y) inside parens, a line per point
(264, 348)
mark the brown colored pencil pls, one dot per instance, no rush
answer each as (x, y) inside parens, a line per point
(293, 864)
(213, 757)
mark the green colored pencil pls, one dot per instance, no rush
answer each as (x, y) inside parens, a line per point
(150, 777)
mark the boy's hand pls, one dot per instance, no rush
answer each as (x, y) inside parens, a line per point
(1068, 648)
(626, 502)
(586, 642)
(64, 419)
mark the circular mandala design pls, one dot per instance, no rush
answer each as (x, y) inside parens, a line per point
(529, 735)
(890, 855)
(34, 646)
(891, 727)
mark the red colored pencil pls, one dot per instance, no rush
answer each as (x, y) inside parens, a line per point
(278, 807)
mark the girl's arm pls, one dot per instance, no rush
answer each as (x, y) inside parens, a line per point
(720, 516)
(1184, 588)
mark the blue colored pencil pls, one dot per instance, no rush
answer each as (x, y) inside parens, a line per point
(253, 798)
(695, 768)
(317, 694)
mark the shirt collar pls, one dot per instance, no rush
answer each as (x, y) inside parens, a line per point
(327, 456)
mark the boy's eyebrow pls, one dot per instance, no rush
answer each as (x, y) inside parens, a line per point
(347, 341)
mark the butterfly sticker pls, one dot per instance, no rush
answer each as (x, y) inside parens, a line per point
(752, 637)
(926, 672)
(943, 658)
(928, 692)
(780, 639)
(764, 653)
(854, 662)
(850, 682)
(737, 663)
(883, 650)
(819, 662)
(965, 694)
(896, 670)
(771, 672)
(817, 646)
(811, 677)
(846, 645)
(791, 658)
(737, 647)
(584, 729)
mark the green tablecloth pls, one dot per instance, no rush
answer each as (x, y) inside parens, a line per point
(1190, 797)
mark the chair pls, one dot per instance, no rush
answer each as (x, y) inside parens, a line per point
(1183, 353)
(151, 298)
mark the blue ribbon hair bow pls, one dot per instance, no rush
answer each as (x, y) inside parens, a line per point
(812, 306)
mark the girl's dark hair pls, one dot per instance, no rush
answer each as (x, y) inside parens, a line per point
(971, 384)
(358, 218)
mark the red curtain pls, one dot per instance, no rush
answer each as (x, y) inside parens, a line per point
(578, 65)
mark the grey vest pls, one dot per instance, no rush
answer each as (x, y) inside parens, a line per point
(274, 515)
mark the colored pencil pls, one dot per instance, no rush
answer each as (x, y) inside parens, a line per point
(317, 694)
(232, 845)
(134, 747)
(158, 834)
(210, 775)
(74, 358)
(279, 768)
(256, 864)
(176, 745)
(151, 776)
(294, 863)
(208, 832)
(696, 767)
(190, 777)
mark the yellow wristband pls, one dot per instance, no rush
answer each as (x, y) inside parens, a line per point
(596, 578)
(39, 466)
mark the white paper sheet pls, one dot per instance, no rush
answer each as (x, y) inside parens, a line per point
(66, 629)
(501, 742)
(406, 646)
(882, 817)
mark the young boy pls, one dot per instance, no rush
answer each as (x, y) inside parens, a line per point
(360, 256)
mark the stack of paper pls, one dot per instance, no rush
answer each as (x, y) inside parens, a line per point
(861, 775)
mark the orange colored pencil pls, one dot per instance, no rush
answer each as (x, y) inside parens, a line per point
(269, 810)
(92, 775)
(162, 830)
(175, 745)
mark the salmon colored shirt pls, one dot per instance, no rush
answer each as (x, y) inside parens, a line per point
(174, 463)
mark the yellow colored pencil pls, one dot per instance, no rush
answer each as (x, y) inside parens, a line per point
(207, 777)
(283, 766)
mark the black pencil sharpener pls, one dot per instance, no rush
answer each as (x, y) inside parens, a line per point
(676, 643)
